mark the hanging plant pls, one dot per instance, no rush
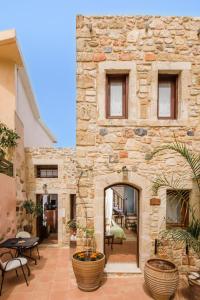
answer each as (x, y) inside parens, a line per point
(8, 139)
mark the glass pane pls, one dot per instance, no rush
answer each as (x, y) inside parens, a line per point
(173, 210)
(164, 99)
(43, 173)
(116, 98)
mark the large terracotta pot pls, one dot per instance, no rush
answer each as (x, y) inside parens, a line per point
(194, 283)
(88, 273)
(161, 278)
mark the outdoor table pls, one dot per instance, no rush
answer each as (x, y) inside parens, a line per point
(20, 245)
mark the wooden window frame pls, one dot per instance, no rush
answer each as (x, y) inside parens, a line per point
(46, 168)
(117, 77)
(184, 215)
(173, 80)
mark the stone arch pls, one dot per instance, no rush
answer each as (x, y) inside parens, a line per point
(143, 186)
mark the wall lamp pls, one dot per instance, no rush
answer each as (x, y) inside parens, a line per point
(125, 172)
(198, 33)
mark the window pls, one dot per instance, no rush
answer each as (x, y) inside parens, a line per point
(117, 96)
(47, 171)
(167, 96)
(177, 213)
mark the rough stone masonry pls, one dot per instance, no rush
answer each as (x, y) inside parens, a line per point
(143, 47)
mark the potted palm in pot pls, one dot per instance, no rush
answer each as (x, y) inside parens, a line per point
(88, 264)
(190, 236)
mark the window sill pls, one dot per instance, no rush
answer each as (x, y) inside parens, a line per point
(142, 123)
(175, 226)
(47, 177)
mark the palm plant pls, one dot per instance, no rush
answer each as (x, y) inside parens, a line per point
(8, 138)
(191, 234)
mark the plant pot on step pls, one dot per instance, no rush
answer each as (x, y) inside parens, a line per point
(194, 284)
(88, 269)
(161, 278)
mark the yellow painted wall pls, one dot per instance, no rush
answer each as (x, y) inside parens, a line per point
(7, 93)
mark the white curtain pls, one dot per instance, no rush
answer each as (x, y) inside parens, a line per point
(173, 211)
(108, 208)
(44, 201)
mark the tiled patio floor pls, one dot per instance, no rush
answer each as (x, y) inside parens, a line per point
(53, 279)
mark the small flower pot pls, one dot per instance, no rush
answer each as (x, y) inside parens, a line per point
(88, 273)
(161, 278)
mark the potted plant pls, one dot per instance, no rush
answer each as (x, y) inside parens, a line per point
(190, 235)
(32, 210)
(72, 228)
(88, 265)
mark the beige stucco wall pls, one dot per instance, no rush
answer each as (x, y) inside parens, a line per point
(7, 207)
(34, 134)
(142, 47)
(64, 185)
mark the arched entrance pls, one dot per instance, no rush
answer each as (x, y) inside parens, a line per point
(142, 184)
(121, 224)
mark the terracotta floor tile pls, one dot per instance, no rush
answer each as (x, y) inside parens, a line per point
(53, 279)
(41, 295)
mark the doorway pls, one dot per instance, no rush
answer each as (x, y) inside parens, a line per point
(47, 223)
(121, 224)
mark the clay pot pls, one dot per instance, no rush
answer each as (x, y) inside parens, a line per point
(88, 273)
(194, 284)
(161, 278)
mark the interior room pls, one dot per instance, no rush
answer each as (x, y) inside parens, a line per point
(121, 224)
(47, 223)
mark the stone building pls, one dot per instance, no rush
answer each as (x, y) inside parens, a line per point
(63, 186)
(138, 87)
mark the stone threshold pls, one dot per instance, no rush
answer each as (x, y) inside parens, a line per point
(122, 268)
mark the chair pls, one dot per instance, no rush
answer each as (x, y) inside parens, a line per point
(25, 234)
(13, 264)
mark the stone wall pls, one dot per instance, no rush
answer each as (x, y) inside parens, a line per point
(19, 172)
(64, 185)
(142, 46)
(7, 207)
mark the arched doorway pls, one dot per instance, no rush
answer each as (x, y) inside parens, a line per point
(121, 224)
